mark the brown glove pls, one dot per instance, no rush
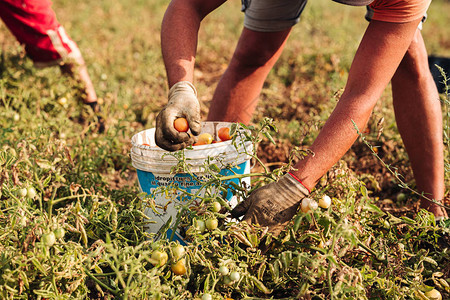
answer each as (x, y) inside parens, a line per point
(183, 102)
(272, 205)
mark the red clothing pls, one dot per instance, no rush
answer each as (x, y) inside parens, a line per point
(34, 24)
(399, 11)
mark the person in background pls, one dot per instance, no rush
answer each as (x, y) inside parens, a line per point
(391, 50)
(34, 24)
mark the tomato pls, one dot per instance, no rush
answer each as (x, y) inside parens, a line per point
(178, 251)
(227, 281)
(206, 296)
(215, 206)
(22, 192)
(434, 295)
(31, 192)
(48, 239)
(204, 139)
(223, 270)
(401, 197)
(179, 268)
(59, 233)
(181, 125)
(212, 223)
(325, 201)
(199, 225)
(235, 276)
(159, 258)
(62, 101)
(224, 134)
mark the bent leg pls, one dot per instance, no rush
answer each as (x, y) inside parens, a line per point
(34, 24)
(237, 92)
(419, 120)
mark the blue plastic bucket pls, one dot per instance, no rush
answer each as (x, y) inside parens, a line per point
(154, 170)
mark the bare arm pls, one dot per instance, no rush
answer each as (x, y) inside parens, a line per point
(376, 60)
(179, 33)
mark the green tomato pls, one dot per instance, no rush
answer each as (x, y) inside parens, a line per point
(227, 281)
(178, 251)
(48, 239)
(325, 201)
(199, 225)
(59, 233)
(212, 223)
(206, 296)
(159, 258)
(22, 192)
(235, 276)
(31, 192)
(223, 270)
(215, 206)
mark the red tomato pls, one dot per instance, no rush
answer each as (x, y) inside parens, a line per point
(181, 125)
(224, 134)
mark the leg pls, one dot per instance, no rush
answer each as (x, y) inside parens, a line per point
(45, 40)
(237, 92)
(419, 119)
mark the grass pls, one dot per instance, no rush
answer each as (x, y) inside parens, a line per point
(85, 184)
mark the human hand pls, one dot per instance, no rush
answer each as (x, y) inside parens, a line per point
(272, 205)
(183, 102)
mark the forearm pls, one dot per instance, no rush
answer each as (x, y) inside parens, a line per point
(380, 52)
(179, 35)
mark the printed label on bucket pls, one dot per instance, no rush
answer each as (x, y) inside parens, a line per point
(168, 202)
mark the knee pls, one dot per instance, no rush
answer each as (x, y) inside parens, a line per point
(414, 64)
(250, 59)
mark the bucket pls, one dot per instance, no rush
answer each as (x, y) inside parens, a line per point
(154, 167)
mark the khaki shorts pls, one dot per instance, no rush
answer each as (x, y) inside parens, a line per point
(272, 15)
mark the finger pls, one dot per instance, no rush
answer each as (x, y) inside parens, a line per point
(194, 123)
(169, 145)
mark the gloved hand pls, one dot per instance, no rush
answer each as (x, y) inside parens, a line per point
(183, 102)
(272, 205)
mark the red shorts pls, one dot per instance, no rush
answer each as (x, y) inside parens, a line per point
(34, 24)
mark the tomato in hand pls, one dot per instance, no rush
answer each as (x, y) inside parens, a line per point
(181, 125)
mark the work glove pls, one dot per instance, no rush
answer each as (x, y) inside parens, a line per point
(272, 205)
(183, 102)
